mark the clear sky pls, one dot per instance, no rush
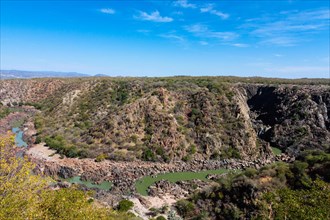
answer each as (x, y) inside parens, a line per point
(283, 38)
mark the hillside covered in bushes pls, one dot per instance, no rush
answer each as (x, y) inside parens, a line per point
(175, 118)
(279, 191)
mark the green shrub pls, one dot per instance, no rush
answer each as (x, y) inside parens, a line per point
(300, 178)
(148, 155)
(59, 144)
(4, 111)
(100, 157)
(38, 140)
(160, 151)
(134, 138)
(250, 172)
(38, 106)
(195, 112)
(184, 208)
(192, 149)
(186, 158)
(125, 205)
(230, 152)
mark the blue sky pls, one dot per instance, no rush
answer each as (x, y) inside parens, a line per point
(283, 38)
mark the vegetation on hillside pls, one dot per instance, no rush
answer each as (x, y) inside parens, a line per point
(278, 191)
(148, 119)
(4, 111)
(163, 119)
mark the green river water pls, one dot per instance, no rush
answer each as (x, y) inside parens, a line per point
(105, 185)
(143, 183)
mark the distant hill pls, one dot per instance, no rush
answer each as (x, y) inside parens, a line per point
(101, 75)
(15, 74)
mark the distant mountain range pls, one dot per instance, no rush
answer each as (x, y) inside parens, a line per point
(20, 74)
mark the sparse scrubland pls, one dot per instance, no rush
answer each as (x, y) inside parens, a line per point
(164, 119)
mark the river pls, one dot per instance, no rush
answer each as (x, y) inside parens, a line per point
(19, 137)
(105, 185)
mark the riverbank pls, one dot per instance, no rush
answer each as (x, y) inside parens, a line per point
(14, 119)
(124, 174)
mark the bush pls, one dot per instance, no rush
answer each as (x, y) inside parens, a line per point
(195, 113)
(4, 111)
(250, 172)
(300, 178)
(134, 138)
(58, 143)
(160, 151)
(100, 157)
(125, 205)
(192, 149)
(186, 158)
(230, 153)
(39, 122)
(184, 208)
(148, 155)
(38, 140)
(38, 106)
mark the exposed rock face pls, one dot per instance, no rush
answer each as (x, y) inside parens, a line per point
(292, 118)
(243, 111)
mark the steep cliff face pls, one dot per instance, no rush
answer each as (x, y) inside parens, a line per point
(175, 118)
(292, 118)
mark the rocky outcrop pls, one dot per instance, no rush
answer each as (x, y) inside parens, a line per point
(292, 118)
(178, 190)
